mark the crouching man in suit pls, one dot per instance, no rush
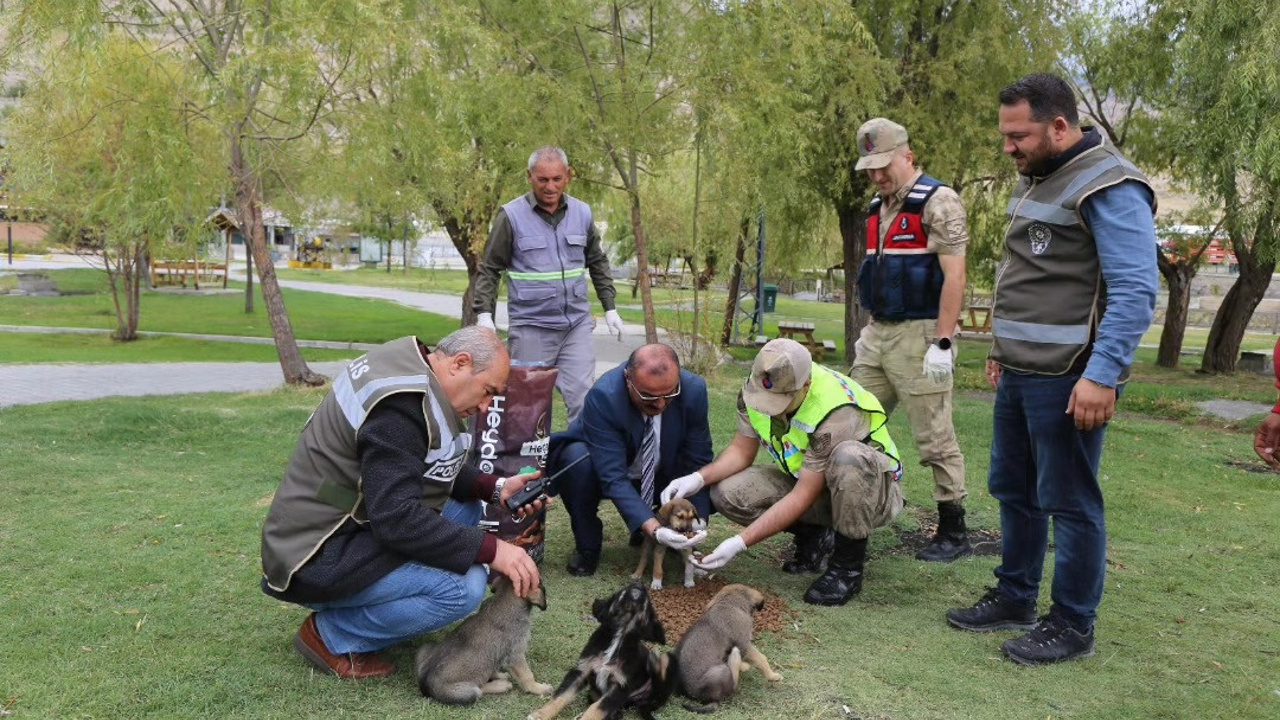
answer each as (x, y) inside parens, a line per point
(643, 423)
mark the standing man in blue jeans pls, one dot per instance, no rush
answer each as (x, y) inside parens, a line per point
(374, 526)
(1074, 294)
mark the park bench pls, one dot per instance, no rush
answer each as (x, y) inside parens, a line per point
(179, 272)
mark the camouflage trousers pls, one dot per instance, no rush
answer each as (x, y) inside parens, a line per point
(862, 492)
(890, 365)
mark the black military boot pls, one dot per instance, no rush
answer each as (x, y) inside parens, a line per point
(952, 539)
(843, 578)
(813, 546)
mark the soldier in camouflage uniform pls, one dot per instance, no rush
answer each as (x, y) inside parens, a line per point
(912, 283)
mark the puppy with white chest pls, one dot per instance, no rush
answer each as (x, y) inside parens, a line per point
(681, 516)
(470, 662)
(706, 662)
(615, 667)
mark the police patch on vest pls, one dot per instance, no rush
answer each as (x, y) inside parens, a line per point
(903, 224)
(445, 470)
(1040, 236)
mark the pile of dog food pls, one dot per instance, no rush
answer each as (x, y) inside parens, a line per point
(678, 607)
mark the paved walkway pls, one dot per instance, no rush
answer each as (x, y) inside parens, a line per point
(32, 384)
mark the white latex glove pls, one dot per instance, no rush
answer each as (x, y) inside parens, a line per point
(723, 553)
(937, 364)
(681, 487)
(485, 320)
(676, 540)
(613, 321)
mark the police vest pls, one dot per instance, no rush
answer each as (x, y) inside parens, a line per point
(828, 392)
(321, 485)
(547, 283)
(900, 279)
(1049, 293)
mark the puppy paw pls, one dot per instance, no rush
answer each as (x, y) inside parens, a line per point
(656, 584)
(773, 677)
(542, 689)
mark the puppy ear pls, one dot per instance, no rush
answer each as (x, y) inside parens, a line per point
(600, 609)
(652, 629)
(539, 597)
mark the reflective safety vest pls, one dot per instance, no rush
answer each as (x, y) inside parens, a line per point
(900, 279)
(321, 485)
(1049, 291)
(828, 392)
(547, 283)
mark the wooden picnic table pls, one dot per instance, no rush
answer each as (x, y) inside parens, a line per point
(802, 332)
(976, 318)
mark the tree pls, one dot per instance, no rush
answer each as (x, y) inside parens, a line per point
(106, 146)
(1119, 57)
(439, 123)
(1222, 117)
(268, 72)
(949, 59)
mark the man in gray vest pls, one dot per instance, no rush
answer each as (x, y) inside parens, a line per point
(546, 242)
(1074, 294)
(374, 526)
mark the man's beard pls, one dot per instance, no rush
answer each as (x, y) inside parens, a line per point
(1038, 160)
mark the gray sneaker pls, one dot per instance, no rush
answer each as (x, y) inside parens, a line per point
(1051, 640)
(993, 612)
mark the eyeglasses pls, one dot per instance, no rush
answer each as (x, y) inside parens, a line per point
(646, 398)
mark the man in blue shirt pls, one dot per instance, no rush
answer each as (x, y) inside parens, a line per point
(1074, 294)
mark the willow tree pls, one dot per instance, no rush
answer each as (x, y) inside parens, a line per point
(105, 143)
(948, 61)
(267, 71)
(442, 121)
(1118, 55)
(1222, 113)
(765, 79)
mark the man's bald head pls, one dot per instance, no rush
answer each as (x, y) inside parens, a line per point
(654, 360)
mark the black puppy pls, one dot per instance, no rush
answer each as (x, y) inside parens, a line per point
(616, 667)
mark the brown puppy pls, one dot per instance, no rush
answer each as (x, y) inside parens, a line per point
(679, 515)
(706, 662)
(470, 661)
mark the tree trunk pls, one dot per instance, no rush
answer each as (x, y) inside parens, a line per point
(135, 286)
(465, 233)
(1222, 350)
(249, 210)
(1178, 276)
(735, 283)
(248, 274)
(853, 237)
(642, 269)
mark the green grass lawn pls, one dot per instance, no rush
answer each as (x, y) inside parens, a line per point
(314, 316)
(129, 580)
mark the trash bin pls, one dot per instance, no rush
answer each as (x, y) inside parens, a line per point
(770, 298)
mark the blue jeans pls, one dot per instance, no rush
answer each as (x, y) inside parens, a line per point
(411, 600)
(1043, 467)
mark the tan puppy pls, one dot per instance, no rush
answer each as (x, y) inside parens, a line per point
(470, 661)
(679, 515)
(717, 647)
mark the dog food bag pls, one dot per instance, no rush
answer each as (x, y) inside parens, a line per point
(511, 438)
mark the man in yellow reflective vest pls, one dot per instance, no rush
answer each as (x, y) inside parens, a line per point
(835, 466)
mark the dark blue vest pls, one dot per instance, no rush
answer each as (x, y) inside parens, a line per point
(901, 280)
